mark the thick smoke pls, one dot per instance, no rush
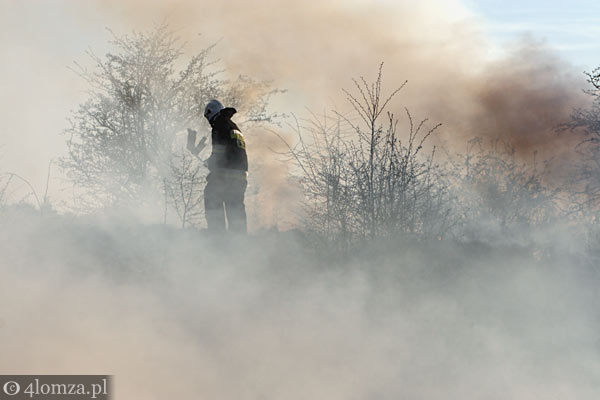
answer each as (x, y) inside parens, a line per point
(456, 77)
(169, 314)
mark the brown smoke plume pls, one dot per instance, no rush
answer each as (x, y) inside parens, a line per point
(314, 48)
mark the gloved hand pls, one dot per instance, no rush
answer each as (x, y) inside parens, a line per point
(191, 140)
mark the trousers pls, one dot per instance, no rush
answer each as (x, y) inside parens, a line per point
(224, 200)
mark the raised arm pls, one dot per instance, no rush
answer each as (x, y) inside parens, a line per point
(191, 142)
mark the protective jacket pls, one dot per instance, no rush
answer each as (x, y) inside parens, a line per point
(228, 145)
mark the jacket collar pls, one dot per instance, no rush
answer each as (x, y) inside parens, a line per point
(223, 115)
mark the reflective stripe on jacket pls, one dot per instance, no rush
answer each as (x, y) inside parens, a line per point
(228, 144)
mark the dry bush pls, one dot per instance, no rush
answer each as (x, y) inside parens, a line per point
(365, 180)
(184, 188)
(586, 179)
(500, 195)
(584, 188)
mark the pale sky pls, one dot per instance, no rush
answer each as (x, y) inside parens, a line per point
(571, 27)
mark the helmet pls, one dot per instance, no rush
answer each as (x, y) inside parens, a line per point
(212, 108)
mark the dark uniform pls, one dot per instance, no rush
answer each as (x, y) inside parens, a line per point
(228, 175)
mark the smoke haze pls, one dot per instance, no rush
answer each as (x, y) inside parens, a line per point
(169, 315)
(456, 76)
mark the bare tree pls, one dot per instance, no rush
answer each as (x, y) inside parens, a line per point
(495, 189)
(364, 179)
(585, 181)
(121, 140)
(587, 121)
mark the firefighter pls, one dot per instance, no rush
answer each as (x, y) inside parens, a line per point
(228, 170)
